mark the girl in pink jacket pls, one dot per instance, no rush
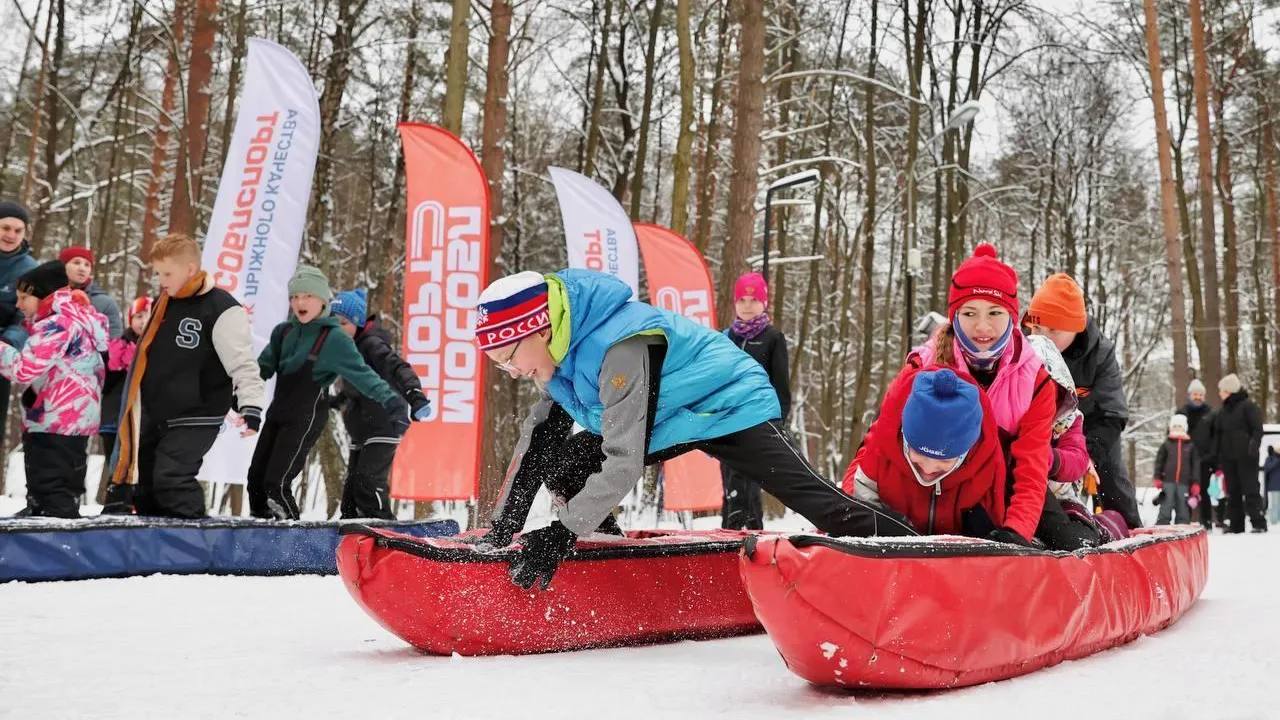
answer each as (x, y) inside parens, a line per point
(61, 363)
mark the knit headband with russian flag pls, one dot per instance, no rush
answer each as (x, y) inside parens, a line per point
(511, 308)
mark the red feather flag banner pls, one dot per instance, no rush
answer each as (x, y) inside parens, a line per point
(446, 266)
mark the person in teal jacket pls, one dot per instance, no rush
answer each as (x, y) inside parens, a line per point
(306, 354)
(647, 385)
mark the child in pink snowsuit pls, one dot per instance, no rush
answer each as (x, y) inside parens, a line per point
(61, 363)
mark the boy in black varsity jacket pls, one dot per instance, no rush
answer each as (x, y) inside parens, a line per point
(373, 437)
(193, 363)
(306, 353)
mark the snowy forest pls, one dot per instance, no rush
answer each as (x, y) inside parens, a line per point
(1129, 144)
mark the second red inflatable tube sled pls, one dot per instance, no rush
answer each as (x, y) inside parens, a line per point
(946, 612)
(444, 596)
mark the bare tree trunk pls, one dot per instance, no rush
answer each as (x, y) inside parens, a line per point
(455, 62)
(233, 81)
(336, 74)
(909, 205)
(11, 131)
(501, 396)
(646, 112)
(749, 112)
(1173, 259)
(160, 146)
(1273, 231)
(1230, 243)
(707, 176)
(53, 106)
(393, 225)
(191, 145)
(42, 80)
(597, 95)
(684, 140)
(1211, 351)
(862, 383)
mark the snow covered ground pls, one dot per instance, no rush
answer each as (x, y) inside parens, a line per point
(219, 647)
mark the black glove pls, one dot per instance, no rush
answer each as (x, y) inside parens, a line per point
(119, 500)
(1005, 535)
(1159, 498)
(540, 554)
(252, 417)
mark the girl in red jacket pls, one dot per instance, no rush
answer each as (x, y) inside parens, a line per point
(983, 344)
(933, 454)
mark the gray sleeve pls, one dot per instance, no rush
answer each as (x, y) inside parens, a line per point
(233, 341)
(624, 391)
(106, 305)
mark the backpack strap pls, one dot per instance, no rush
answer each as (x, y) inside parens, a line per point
(315, 348)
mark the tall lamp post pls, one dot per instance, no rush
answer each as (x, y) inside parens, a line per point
(801, 178)
(963, 115)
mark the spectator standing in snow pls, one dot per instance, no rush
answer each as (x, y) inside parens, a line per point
(372, 430)
(193, 363)
(306, 357)
(1199, 416)
(1272, 472)
(79, 262)
(1057, 311)
(120, 354)
(15, 259)
(1237, 432)
(61, 362)
(743, 507)
(1176, 475)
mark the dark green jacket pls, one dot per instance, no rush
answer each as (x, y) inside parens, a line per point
(338, 358)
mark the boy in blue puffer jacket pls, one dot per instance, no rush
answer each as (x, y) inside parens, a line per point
(648, 385)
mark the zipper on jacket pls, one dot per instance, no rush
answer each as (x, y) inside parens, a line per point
(933, 505)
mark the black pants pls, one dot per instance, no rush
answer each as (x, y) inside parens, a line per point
(168, 461)
(1243, 494)
(1059, 531)
(364, 493)
(55, 467)
(1205, 509)
(1115, 489)
(281, 454)
(763, 454)
(743, 505)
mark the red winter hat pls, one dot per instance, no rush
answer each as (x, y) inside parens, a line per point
(140, 305)
(984, 277)
(72, 253)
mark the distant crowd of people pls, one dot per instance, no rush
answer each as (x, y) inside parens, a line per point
(1207, 468)
(157, 384)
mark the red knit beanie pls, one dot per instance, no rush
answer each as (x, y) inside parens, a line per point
(72, 253)
(982, 276)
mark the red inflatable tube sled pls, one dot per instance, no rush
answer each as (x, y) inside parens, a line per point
(443, 596)
(950, 612)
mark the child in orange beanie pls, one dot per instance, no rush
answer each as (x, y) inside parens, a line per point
(1058, 312)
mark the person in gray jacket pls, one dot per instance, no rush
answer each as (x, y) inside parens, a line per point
(79, 262)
